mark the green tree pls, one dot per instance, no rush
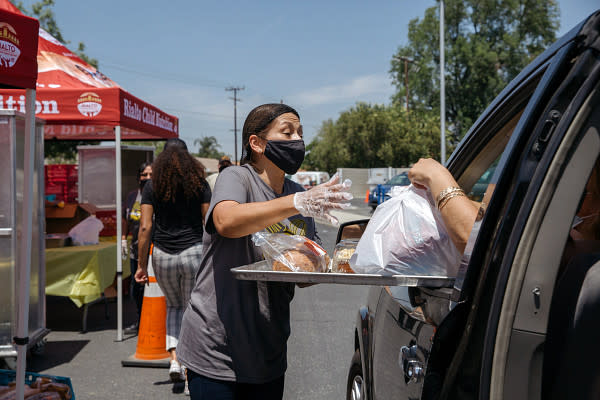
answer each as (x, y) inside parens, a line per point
(487, 43)
(208, 147)
(371, 136)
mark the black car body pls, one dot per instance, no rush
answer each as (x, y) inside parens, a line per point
(505, 329)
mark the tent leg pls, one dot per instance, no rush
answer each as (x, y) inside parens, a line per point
(119, 233)
(24, 242)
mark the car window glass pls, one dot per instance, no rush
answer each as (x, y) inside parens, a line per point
(399, 180)
(478, 180)
(478, 175)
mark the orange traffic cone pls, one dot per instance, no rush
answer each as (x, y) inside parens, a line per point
(152, 334)
(367, 196)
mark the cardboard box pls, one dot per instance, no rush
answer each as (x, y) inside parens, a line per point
(54, 240)
(61, 220)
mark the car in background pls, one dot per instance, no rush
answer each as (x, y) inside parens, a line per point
(478, 190)
(309, 179)
(519, 318)
(381, 192)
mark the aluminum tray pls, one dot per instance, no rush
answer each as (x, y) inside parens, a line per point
(261, 271)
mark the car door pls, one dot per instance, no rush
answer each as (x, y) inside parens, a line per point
(402, 336)
(506, 279)
(515, 352)
(407, 318)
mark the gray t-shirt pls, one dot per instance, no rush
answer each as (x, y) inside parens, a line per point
(236, 330)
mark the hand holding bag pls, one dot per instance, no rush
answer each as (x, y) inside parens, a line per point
(406, 236)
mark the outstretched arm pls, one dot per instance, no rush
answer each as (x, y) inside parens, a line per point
(233, 220)
(458, 212)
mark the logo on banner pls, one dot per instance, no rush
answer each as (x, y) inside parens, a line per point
(9, 45)
(89, 104)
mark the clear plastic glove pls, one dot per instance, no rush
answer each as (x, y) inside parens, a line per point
(320, 200)
(124, 249)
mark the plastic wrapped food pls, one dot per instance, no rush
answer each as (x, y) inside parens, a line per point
(291, 252)
(341, 256)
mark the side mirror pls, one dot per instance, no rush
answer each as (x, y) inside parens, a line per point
(351, 230)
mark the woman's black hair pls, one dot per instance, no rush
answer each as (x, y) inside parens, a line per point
(258, 121)
(141, 169)
(176, 173)
(175, 142)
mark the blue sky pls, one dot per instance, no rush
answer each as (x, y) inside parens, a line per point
(321, 57)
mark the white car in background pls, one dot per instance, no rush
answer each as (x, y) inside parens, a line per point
(309, 179)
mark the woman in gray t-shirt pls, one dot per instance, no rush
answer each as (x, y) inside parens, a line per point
(234, 333)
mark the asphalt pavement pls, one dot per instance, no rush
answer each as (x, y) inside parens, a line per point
(319, 349)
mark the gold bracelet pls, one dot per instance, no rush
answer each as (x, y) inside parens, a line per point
(446, 192)
(448, 197)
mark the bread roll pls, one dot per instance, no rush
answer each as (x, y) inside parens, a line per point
(303, 261)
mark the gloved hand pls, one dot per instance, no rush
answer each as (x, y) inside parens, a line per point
(320, 200)
(124, 249)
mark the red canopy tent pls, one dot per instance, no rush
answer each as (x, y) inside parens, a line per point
(18, 69)
(80, 103)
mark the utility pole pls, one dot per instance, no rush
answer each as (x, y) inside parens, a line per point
(406, 61)
(235, 100)
(442, 88)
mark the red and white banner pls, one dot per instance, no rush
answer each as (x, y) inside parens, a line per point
(91, 114)
(18, 48)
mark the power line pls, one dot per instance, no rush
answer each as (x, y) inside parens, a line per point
(167, 77)
(235, 100)
(194, 112)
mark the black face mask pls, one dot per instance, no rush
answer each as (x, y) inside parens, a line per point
(142, 183)
(288, 155)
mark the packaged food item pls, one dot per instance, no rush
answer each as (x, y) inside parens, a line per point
(341, 256)
(291, 252)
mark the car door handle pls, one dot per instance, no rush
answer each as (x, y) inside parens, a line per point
(411, 366)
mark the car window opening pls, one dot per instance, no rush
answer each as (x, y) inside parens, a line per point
(584, 236)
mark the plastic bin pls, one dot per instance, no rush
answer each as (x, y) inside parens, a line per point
(8, 376)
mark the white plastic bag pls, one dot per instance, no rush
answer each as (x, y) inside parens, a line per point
(407, 236)
(87, 231)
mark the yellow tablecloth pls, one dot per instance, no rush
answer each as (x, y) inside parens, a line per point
(82, 272)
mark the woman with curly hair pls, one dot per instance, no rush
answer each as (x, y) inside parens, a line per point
(177, 197)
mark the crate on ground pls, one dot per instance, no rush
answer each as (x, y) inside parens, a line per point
(7, 376)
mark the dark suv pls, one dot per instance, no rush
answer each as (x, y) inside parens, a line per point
(521, 320)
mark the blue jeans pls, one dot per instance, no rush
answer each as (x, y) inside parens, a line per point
(203, 388)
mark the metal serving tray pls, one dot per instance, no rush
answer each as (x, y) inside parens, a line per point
(261, 271)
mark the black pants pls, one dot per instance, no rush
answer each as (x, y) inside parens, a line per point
(136, 289)
(203, 388)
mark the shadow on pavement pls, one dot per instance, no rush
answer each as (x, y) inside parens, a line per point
(63, 315)
(178, 387)
(56, 353)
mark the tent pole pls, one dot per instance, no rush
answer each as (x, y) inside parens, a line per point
(119, 233)
(24, 242)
